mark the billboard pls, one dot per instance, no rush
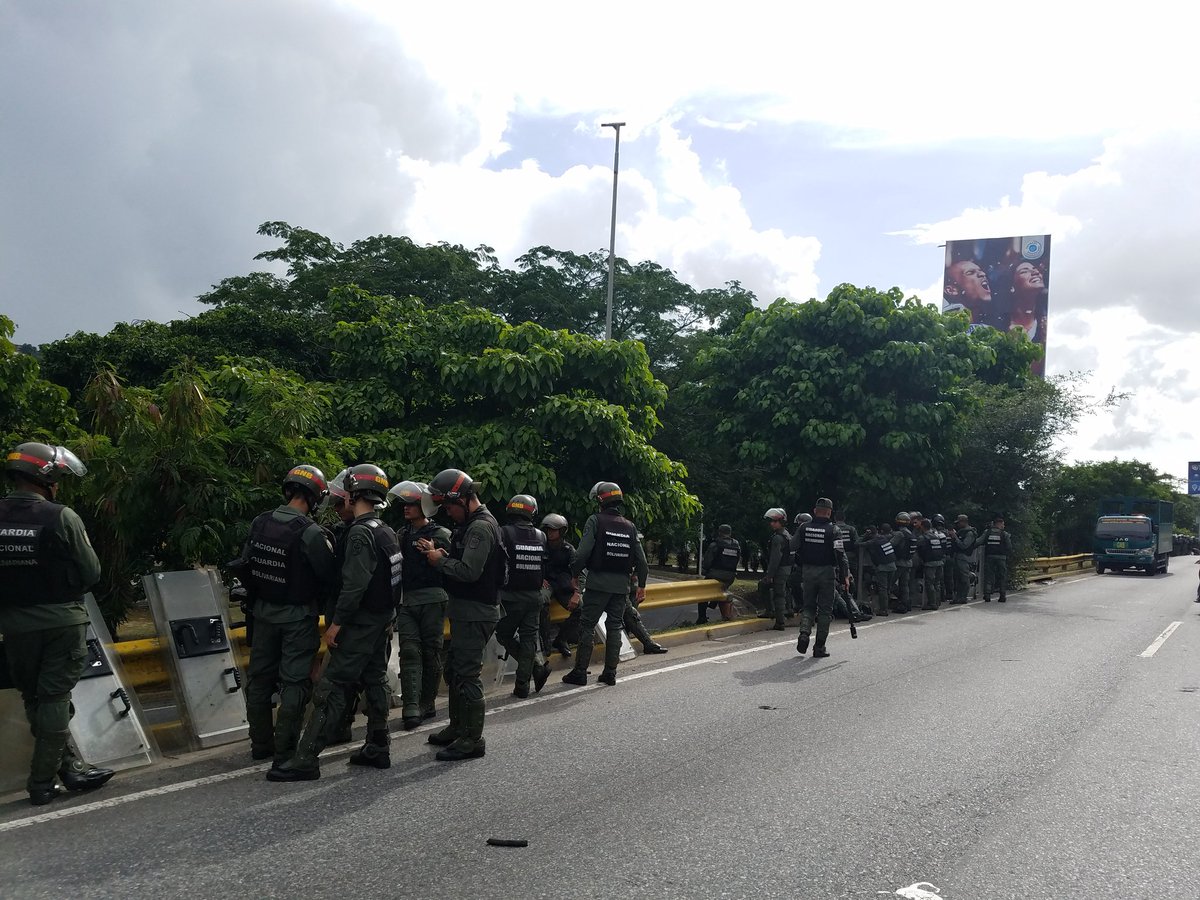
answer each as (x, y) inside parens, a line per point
(1194, 479)
(1001, 282)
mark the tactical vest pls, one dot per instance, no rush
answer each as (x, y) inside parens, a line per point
(615, 537)
(383, 590)
(727, 554)
(881, 551)
(995, 544)
(279, 571)
(558, 570)
(816, 544)
(418, 573)
(485, 589)
(904, 553)
(526, 549)
(932, 548)
(30, 575)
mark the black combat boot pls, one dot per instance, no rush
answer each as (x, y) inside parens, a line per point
(374, 752)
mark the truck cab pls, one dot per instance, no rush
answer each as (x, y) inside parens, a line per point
(1133, 533)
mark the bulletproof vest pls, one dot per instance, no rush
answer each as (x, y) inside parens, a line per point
(558, 557)
(995, 544)
(881, 551)
(526, 549)
(727, 554)
(382, 592)
(904, 553)
(615, 537)
(816, 544)
(485, 589)
(418, 573)
(29, 573)
(848, 535)
(932, 548)
(279, 571)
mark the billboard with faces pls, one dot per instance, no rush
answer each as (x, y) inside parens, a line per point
(1001, 282)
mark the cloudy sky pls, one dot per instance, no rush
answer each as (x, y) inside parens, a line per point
(142, 143)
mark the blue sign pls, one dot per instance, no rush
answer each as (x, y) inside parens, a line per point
(1194, 479)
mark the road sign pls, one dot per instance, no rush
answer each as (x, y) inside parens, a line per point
(1194, 479)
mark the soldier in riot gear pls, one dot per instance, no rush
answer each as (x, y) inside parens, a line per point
(882, 554)
(904, 543)
(560, 583)
(421, 615)
(474, 572)
(720, 562)
(818, 555)
(339, 501)
(774, 584)
(289, 567)
(997, 547)
(931, 547)
(358, 637)
(795, 602)
(47, 564)
(609, 550)
(962, 542)
(521, 599)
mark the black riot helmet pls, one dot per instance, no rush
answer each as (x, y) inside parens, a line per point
(415, 493)
(522, 506)
(42, 464)
(367, 479)
(308, 480)
(608, 493)
(452, 486)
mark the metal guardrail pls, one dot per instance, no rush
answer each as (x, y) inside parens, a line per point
(146, 669)
(1046, 567)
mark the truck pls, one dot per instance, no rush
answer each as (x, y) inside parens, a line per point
(1133, 533)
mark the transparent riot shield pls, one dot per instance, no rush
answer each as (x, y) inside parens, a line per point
(108, 726)
(627, 651)
(189, 610)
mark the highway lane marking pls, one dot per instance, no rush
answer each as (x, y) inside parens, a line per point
(1160, 640)
(337, 751)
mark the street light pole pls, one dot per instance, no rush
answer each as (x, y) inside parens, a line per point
(612, 235)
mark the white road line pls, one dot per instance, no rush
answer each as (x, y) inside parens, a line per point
(336, 751)
(1160, 640)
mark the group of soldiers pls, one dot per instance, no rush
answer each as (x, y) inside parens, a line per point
(810, 570)
(369, 582)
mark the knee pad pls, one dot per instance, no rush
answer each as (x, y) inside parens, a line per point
(53, 713)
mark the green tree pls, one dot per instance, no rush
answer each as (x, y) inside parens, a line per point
(31, 407)
(1073, 496)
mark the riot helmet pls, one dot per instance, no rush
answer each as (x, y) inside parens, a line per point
(43, 464)
(725, 530)
(608, 493)
(414, 493)
(309, 480)
(802, 519)
(522, 506)
(370, 480)
(775, 514)
(903, 518)
(554, 522)
(939, 519)
(451, 486)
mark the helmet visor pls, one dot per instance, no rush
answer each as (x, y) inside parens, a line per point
(337, 490)
(65, 459)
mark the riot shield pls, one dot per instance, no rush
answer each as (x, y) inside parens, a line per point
(108, 726)
(189, 610)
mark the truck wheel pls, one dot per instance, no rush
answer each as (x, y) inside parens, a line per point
(1151, 569)
(1099, 569)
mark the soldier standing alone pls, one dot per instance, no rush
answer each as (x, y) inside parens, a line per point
(997, 547)
(818, 555)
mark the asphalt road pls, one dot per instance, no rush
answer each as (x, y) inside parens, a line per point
(1025, 750)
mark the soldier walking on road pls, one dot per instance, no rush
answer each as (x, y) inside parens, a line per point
(421, 615)
(560, 583)
(290, 568)
(47, 564)
(774, 583)
(609, 550)
(358, 637)
(962, 540)
(720, 562)
(521, 599)
(997, 547)
(474, 573)
(818, 556)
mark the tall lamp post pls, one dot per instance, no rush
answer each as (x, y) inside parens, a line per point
(612, 235)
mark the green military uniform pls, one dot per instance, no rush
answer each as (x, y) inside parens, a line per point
(932, 549)
(420, 623)
(997, 547)
(364, 612)
(44, 622)
(820, 558)
(963, 543)
(285, 639)
(609, 544)
(883, 561)
(779, 569)
(903, 543)
(473, 572)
